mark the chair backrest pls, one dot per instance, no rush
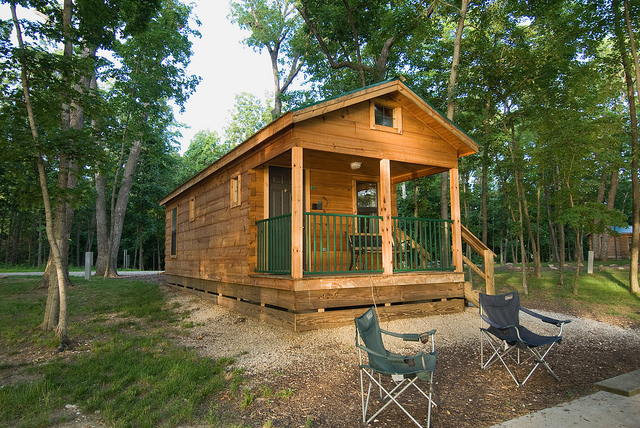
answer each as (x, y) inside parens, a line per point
(368, 328)
(503, 309)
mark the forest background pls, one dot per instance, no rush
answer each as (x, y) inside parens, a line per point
(88, 137)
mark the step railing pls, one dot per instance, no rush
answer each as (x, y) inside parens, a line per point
(487, 256)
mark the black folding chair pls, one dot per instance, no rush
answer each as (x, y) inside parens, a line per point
(404, 370)
(505, 334)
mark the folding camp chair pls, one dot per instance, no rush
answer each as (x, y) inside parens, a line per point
(403, 370)
(504, 334)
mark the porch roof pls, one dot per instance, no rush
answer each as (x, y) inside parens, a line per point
(395, 89)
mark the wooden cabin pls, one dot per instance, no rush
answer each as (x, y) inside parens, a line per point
(618, 243)
(298, 225)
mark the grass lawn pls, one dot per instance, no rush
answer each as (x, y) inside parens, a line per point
(125, 369)
(123, 363)
(605, 293)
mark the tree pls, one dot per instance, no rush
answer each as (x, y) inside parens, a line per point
(635, 244)
(275, 26)
(204, 149)
(152, 72)
(56, 312)
(248, 116)
(363, 39)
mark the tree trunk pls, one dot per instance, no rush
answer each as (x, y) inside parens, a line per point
(561, 263)
(15, 244)
(634, 285)
(102, 228)
(61, 330)
(578, 262)
(117, 220)
(485, 174)
(451, 104)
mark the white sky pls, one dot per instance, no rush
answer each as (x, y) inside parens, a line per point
(227, 68)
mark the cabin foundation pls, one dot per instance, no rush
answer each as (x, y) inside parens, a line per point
(308, 306)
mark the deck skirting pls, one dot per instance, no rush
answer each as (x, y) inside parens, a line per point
(311, 309)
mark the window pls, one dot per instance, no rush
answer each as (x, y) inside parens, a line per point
(236, 191)
(385, 116)
(192, 208)
(174, 230)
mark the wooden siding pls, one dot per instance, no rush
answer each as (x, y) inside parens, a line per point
(348, 132)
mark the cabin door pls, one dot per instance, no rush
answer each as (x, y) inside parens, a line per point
(279, 232)
(279, 191)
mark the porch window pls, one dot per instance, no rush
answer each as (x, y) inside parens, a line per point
(236, 187)
(385, 116)
(174, 230)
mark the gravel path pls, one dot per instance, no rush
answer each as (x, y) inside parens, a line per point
(258, 346)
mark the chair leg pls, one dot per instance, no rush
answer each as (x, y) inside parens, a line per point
(392, 396)
(499, 355)
(540, 359)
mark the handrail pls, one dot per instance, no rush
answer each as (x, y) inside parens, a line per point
(479, 247)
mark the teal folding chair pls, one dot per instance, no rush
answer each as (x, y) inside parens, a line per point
(404, 370)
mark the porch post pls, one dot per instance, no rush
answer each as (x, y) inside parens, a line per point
(456, 229)
(385, 211)
(297, 217)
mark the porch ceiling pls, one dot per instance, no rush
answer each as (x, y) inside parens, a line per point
(341, 163)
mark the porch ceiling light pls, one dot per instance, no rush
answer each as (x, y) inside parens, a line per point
(355, 165)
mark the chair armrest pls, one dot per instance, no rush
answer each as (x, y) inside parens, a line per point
(411, 337)
(557, 323)
(372, 352)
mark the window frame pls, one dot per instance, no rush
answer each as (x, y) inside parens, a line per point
(235, 190)
(397, 116)
(192, 208)
(173, 245)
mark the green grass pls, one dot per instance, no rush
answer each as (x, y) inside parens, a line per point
(605, 292)
(124, 364)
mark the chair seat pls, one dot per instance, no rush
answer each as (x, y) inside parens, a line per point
(419, 365)
(527, 337)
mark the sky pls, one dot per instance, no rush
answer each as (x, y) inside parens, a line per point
(226, 66)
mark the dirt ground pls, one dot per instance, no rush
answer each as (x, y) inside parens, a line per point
(311, 379)
(327, 386)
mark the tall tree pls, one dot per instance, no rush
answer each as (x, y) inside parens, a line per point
(275, 26)
(635, 241)
(152, 72)
(365, 39)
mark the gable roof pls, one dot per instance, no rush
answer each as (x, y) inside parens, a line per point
(402, 94)
(394, 88)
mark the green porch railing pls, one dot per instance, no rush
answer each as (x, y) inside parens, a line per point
(343, 243)
(274, 245)
(338, 243)
(422, 244)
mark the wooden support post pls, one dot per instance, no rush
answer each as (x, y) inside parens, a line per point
(297, 210)
(385, 212)
(488, 271)
(456, 235)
